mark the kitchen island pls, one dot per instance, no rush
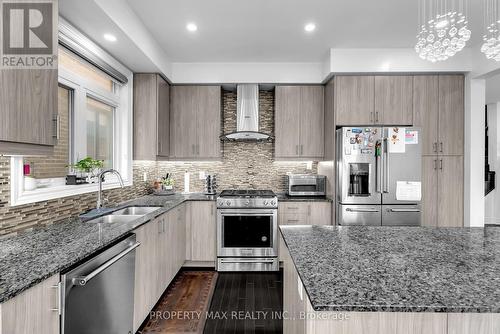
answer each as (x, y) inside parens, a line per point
(391, 280)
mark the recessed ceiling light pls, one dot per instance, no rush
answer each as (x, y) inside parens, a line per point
(191, 27)
(110, 38)
(310, 27)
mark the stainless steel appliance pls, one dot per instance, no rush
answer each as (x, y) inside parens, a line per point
(379, 176)
(306, 185)
(99, 294)
(247, 230)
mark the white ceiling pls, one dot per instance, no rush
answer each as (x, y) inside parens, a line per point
(272, 30)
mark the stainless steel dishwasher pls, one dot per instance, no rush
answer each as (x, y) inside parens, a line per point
(99, 294)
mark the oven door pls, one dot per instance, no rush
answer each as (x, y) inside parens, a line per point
(247, 233)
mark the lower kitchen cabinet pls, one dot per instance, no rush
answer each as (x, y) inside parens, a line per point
(443, 191)
(305, 213)
(35, 311)
(201, 230)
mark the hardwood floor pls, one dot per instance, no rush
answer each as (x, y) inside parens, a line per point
(246, 303)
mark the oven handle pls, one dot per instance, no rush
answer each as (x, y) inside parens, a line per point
(247, 261)
(247, 213)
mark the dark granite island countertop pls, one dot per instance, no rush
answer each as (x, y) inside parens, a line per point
(30, 257)
(397, 269)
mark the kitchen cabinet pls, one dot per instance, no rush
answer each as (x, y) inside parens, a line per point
(354, 100)
(329, 154)
(438, 103)
(294, 301)
(195, 122)
(201, 231)
(442, 189)
(28, 109)
(305, 213)
(394, 100)
(151, 117)
(299, 119)
(451, 115)
(426, 109)
(35, 310)
(146, 271)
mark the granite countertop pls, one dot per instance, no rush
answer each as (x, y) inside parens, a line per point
(29, 258)
(397, 269)
(283, 197)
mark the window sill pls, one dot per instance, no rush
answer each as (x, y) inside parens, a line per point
(49, 193)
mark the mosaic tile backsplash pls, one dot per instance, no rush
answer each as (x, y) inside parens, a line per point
(244, 165)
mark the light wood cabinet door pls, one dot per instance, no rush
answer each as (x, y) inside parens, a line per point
(146, 271)
(28, 107)
(450, 191)
(329, 129)
(208, 117)
(163, 126)
(312, 120)
(451, 114)
(354, 100)
(426, 111)
(393, 100)
(203, 230)
(33, 311)
(429, 190)
(320, 213)
(183, 122)
(287, 121)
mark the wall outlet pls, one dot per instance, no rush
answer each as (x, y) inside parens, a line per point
(145, 176)
(309, 165)
(202, 175)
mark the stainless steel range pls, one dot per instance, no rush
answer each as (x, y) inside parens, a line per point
(247, 230)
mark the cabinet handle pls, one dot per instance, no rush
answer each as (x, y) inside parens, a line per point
(441, 150)
(301, 149)
(57, 126)
(435, 164)
(292, 220)
(441, 164)
(435, 147)
(296, 149)
(376, 115)
(292, 208)
(58, 309)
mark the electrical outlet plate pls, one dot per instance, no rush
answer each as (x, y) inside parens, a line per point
(145, 176)
(202, 175)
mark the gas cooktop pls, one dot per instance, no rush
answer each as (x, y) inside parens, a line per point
(251, 199)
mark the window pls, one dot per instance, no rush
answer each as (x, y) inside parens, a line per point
(94, 115)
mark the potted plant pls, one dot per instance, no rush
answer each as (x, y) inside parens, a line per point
(87, 169)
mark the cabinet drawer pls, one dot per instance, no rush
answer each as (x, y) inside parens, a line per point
(293, 219)
(294, 207)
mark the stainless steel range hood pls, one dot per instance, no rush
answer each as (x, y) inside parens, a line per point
(247, 115)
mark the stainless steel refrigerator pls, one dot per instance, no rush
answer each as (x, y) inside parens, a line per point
(379, 176)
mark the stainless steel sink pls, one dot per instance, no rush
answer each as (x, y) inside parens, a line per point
(113, 219)
(136, 210)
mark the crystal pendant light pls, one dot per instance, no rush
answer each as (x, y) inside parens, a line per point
(491, 37)
(443, 29)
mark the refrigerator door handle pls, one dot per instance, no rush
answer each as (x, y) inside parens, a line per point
(361, 210)
(378, 173)
(404, 210)
(386, 165)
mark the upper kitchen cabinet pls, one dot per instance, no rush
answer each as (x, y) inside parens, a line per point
(28, 110)
(438, 107)
(195, 122)
(451, 115)
(354, 100)
(394, 100)
(299, 118)
(425, 110)
(330, 120)
(151, 117)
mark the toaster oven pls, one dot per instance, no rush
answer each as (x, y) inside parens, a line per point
(306, 185)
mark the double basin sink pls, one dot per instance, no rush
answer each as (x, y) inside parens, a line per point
(124, 215)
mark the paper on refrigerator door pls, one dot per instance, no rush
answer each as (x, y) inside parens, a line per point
(408, 191)
(396, 140)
